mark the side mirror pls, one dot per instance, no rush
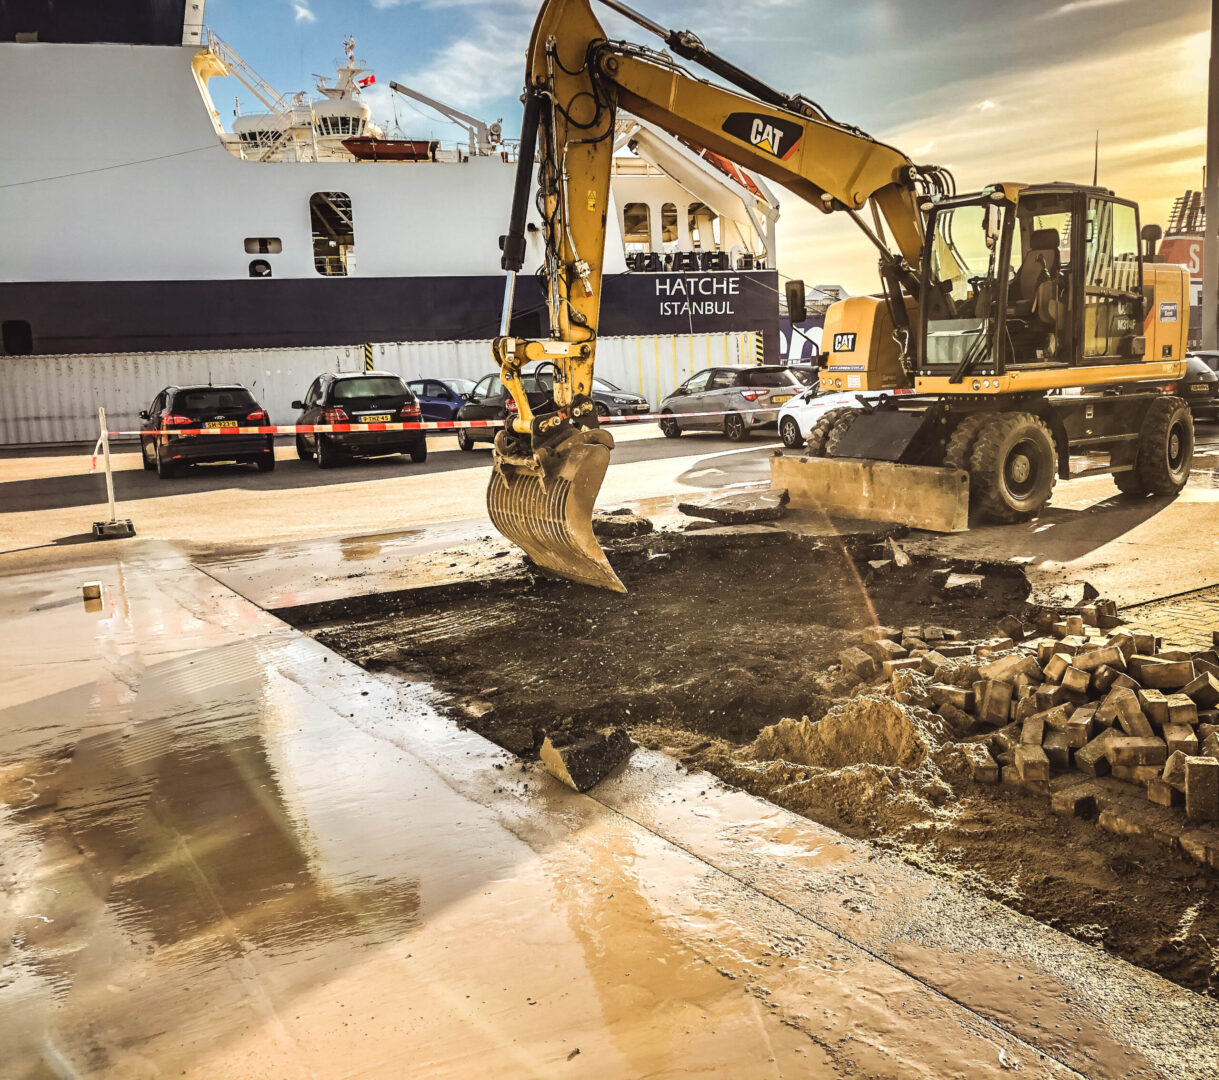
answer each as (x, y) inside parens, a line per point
(467, 397)
(143, 414)
(797, 309)
(298, 404)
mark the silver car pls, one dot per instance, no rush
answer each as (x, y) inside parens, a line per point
(741, 398)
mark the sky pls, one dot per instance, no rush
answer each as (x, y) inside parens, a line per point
(993, 90)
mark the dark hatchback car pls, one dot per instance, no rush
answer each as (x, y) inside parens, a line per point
(1200, 387)
(359, 397)
(441, 399)
(216, 408)
(490, 400)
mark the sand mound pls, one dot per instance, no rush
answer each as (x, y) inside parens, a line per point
(873, 729)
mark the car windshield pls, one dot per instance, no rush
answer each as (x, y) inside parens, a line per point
(606, 387)
(372, 386)
(211, 398)
(460, 386)
(772, 377)
(808, 378)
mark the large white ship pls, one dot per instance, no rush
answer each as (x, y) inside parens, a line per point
(134, 222)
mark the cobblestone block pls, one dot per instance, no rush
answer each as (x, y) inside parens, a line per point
(1165, 675)
(1154, 705)
(1209, 747)
(1049, 695)
(858, 663)
(933, 661)
(1057, 750)
(1124, 643)
(994, 646)
(982, 767)
(954, 695)
(1181, 709)
(1181, 737)
(1091, 659)
(1032, 731)
(1031, 763)
(880, 633)
(1202, 788)
(1091, 759)
(1150, 822)
(1174, 771)
(953, 649)
(1134, 774)
(1204, 690)
(992, 701)
(1078, 800)
(888, 667)
(1075, 680)
(1007, 668)
(1137, 751)
(1162, 794)
(1202, 845)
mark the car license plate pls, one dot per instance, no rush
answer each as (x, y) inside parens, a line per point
(1199, 388)
(220, 423)
(781, 399)
(377, 418)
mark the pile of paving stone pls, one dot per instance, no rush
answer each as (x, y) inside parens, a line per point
(1105, 719)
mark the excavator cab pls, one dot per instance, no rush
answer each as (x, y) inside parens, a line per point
(1032, 277)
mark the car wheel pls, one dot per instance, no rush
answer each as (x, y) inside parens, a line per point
(302, 449)
(669, 427)
(146, 456)
(735, 427)
(327, 455)
(789, 432)
(166, 468)
(464, 442)
(602, 410)
(419, 453)
(266, 461)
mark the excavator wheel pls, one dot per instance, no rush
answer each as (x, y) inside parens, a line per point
(961, 442)
(815, 443)
(841, 426)
(543, 503)
(1012, 467)
(1165, 450)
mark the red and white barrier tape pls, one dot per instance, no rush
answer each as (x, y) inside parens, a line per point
(429, 425)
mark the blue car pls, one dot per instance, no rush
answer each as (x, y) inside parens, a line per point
(441, 398)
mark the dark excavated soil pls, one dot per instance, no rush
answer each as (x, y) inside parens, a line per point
(723, 635)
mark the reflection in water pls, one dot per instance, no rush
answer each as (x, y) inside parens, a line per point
(170, 851)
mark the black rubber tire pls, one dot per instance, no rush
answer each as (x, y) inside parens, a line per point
(166, 469)
(419, 453)
(1165, 449)
(735, 427)
(1128, 483)
(1012, 468)
(302, 449)
(464, 442)
(602, 410)
(669, 427)
(841, 426)
(961, 442)
(821, 430)
(266, 461)
(789, 432)
(327, 456)
(150, 464)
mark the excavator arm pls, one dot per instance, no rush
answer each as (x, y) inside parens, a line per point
(549, 465)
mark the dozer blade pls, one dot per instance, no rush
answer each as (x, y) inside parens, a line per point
(544, 504)
(921, 496)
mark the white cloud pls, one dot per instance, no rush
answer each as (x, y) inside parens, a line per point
(303, 12)
(1080, 5)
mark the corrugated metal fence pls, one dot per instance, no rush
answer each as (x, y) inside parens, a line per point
(54, 399)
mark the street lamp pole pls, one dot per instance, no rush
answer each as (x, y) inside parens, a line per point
(1210, 257)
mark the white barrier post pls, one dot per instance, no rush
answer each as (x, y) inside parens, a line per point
(112, 529)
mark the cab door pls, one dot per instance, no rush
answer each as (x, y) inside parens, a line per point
(1113, 280)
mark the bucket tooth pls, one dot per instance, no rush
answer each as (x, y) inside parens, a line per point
(544, 505)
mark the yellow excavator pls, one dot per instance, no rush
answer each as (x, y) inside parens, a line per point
(1022, 324)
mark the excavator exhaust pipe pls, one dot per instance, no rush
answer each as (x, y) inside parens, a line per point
(544, 504)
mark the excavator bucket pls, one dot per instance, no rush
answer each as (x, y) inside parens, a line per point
(544, 504)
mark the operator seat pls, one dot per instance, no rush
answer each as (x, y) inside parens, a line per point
(1034, 290)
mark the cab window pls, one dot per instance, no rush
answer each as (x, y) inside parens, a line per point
(698, 382)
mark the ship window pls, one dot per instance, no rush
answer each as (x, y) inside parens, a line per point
(668, 225)
(701, 223)
(16, 337)
(260, 268)
(637, 227)
(334, 240)
(263, 245)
